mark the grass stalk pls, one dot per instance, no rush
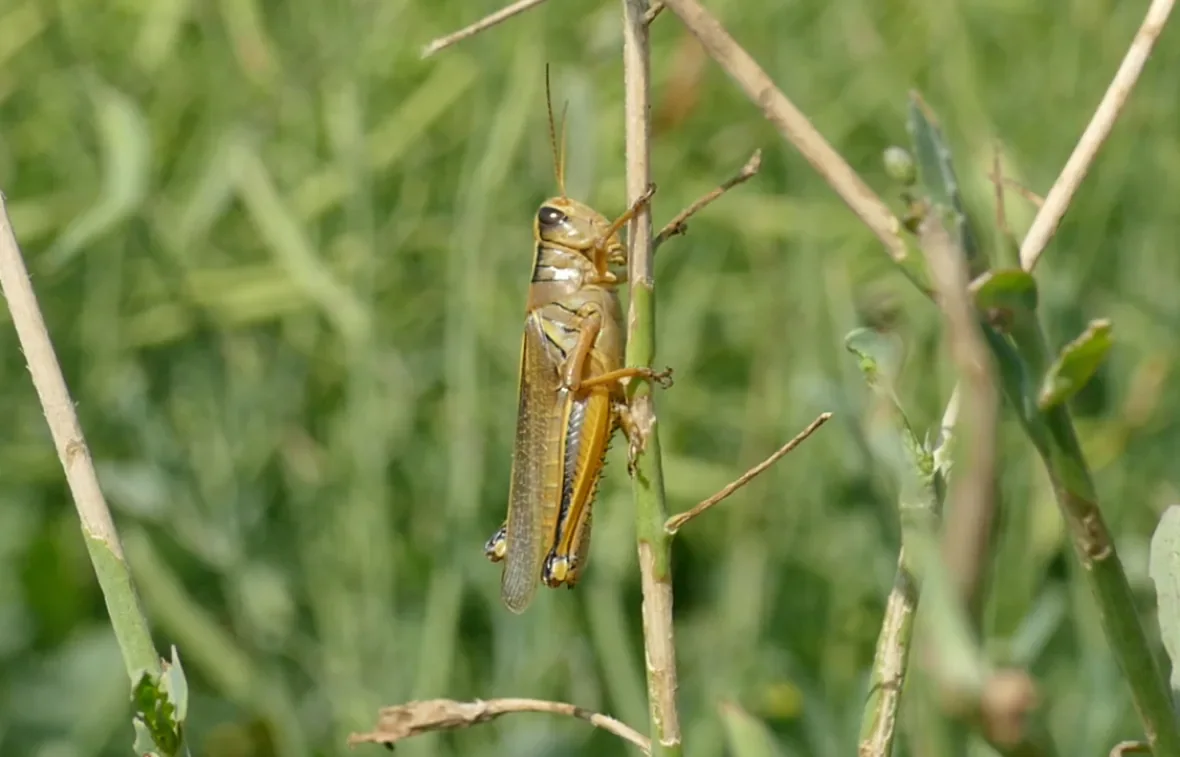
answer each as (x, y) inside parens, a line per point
(918, 510)
(98, 528)
(1061, 195)
(651, 511)
(1052, 433)
(878, 725)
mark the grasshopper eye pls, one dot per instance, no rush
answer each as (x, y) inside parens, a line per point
(548, 216)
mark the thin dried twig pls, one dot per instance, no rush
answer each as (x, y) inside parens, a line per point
(997, 177)
(415, 718)
(1044, 226)
(1000, 181)
(1025, 192)
(653, 11)
(487, 22)
(1130, 747)
(679, 224)
(967, 533)
(102, 540)
(792, 124)
(675, 523)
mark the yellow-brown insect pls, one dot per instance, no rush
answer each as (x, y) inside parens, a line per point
(570, 396)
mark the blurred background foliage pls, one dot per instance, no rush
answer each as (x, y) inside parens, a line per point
(284, 263)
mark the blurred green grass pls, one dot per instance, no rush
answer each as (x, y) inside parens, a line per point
(283, 262)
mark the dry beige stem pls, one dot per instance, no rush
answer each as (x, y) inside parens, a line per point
(98, 527)
(679, 224)
(1035, 199)
(792, 124)
(416, 718)
(487, 22)
(676, 522)
(51, 388)
(1044, 226)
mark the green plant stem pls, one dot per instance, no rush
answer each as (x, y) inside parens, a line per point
(918, 509)
(213, 650)
(1052, 432)
(98, 528)
(878, 726)
(961, 671)
(651, 511)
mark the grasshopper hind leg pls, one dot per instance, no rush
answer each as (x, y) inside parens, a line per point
(567, 569)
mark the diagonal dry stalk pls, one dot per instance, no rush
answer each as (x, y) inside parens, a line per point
(98, 528)
(676, 522)
(1057, 202)
(679, 224)
(793, 125)
(487, 22)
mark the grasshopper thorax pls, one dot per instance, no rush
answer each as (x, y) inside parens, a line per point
(574, 226)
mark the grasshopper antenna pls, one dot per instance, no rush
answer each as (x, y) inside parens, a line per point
(558, 150)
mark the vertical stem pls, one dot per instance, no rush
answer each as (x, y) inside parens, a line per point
(879, 724)
(98, 528)
(967, 532)
(1052, 432)
(918, 508)
(650, 509)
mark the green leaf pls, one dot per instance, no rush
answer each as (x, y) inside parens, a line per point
(144, 744)
(158, 728)
(125, 138)
(878, 357)
(175, 686)
(1164, 567)
(1076, 364)
(747, 736)
(936, 174)
(1006, 289)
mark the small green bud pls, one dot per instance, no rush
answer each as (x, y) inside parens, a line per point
(899, 164)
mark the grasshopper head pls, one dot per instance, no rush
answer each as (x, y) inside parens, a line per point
(569, 224)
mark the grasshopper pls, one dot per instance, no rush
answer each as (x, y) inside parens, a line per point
(570, 391)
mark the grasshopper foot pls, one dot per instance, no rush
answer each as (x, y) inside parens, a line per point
(663, 378)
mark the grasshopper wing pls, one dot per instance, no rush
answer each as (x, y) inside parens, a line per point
(535, 493)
